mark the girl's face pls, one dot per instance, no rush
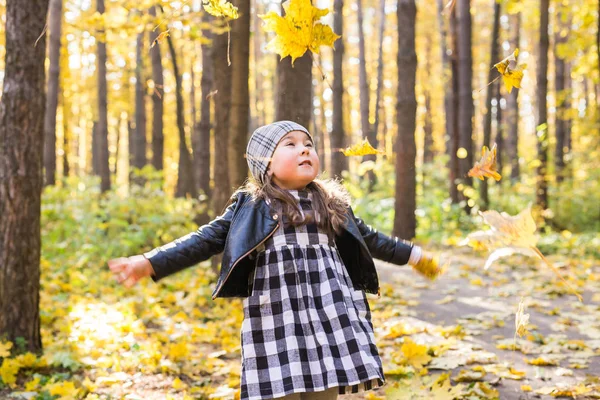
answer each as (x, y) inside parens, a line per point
(295, 162)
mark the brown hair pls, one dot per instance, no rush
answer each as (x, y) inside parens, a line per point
(330, 201)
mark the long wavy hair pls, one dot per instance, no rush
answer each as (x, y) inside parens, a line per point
(330, 199)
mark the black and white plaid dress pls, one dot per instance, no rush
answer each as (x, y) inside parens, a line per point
(305, 328)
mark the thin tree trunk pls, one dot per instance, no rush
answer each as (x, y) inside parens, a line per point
(259, 99)
(364, 93)
(465, 90)
(202, 161)
(240, 95)
(542, 119)
(52, 93)
(499, 130)
(185, 176)
(338, 162)
(512, 107)
(95, 149)
(66, 134)
(405, 223)
(102, 138)
(490, 94)
(21, 162)
(428, 115)
(157, 100)
(451, 102)
(562, 100)
(139, 139)
(379, 89)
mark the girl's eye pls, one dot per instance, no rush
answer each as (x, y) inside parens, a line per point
(308, 144)
(290, 143)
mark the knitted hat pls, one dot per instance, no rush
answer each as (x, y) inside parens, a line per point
(263, 142)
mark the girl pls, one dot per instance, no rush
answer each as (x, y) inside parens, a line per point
(302, 262)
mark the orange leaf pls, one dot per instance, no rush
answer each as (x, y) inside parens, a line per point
(486, 167)
(361, 149)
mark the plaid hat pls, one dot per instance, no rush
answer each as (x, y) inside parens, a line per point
(263, 142)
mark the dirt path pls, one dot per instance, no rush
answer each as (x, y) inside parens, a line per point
(485, 303)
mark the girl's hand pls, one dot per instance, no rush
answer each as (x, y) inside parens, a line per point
(430, 266)
(129, 270)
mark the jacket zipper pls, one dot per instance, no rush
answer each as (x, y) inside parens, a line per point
(236, 261)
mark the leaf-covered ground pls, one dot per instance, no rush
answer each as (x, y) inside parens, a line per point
(172, 341)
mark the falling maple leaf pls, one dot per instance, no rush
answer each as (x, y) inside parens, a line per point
(361, 149)
(220, 8)
(510, 235)
(162, 36)
(298, 30)
(511, 76)
(521, 321)
(486, 167)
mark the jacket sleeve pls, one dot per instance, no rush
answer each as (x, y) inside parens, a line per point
(192, 248)
(390, 249)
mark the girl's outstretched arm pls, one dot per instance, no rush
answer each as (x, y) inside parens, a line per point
(390, 249)
(192, 248)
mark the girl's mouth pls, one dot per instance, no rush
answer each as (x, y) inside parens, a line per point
(306, 163)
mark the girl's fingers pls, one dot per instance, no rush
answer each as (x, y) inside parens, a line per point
(117, 264)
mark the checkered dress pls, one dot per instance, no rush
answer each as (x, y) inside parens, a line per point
(305, 327)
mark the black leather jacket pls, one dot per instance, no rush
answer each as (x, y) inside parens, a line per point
(246, 224)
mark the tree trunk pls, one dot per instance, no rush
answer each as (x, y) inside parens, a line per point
(52, 93)
(240, 96)
(95, 149)
(428, 114)
(294, 93)
(542, 120)
(562, 96)
(202, 156)
(185, 176)
(21, 162)
(222, 99)
(338, 162)
(512, 107)
(405, 223)
(257, 37)
(102, 138)
(364, 93)
(157, 100)
(139, 139)
(451, 103)
(379, 91)
(465, 90)
(490, 94)
(66, 135)
(499, 130)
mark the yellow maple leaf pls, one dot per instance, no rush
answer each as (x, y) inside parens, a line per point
(486, 167)
(443, 390)
(5, 349)
(65, 389)
(511, 76)
(298, 30)
(521, 320)
(510, 235)
(220, 8)
(415, 354)
(9, 370)
(361, 149)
